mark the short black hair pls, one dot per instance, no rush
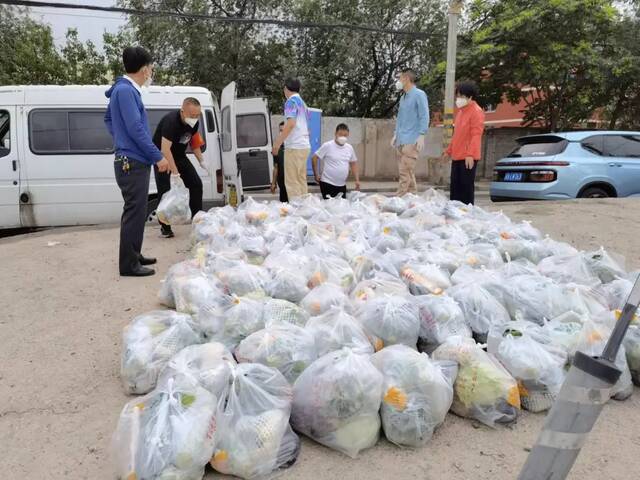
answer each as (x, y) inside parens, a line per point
(468, 88)
(292, 84)
(342, 126)
(191, 101)
(411, 73)
(134, 58)
(281, 123)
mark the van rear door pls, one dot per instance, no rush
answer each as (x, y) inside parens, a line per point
(9, 169)
(228, 144)
(253, 135)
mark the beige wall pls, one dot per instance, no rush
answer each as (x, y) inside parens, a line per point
(371, 139)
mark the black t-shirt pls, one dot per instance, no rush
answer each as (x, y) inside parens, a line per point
(175, 130)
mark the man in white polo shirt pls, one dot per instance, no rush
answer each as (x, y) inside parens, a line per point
(337, 157)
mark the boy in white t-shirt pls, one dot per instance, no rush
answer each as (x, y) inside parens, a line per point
(337, 157)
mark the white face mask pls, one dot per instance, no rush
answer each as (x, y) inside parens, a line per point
(191, 121)
(149, 80)
(462, 102)
(399, 85)
(341, 140)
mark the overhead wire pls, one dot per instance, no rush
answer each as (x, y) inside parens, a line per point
(225, 19)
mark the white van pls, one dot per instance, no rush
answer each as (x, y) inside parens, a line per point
(56, 155)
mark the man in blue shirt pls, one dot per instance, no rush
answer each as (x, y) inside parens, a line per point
(126, 120)
(411, 127)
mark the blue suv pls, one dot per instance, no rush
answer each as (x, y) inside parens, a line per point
(592, 164)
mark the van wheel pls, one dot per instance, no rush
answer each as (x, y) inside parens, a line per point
(594, 192)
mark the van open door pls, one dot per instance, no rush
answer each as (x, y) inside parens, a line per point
(229, 146)
(253, 135)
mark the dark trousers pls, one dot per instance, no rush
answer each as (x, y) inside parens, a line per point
(327, 190)
(191, 180)
(463, 182)
(282, 189)
(134, 186)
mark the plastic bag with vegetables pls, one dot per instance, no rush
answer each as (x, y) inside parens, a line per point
(173, 208)
(241, 317)
(169, 433)
(632, 350)
(255, 438)
(209, 365)
(483, 389)
(569, 269)
(440, 318)
(330, 269)
(277, 312)
(538, 367)
(605, 266)
(416, 395)
(425, 279)
(322, 298)
(480, 308)
(336, 402)
(287, 348)
(244, 280)
(381, 284)
(148, 343)
(335, 330)
(183, 269)
(391, 319)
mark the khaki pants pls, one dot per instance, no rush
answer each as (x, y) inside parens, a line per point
(295, 171)
(407, 157)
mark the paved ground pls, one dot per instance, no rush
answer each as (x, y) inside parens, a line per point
(64, 307)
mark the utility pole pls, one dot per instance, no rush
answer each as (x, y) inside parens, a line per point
(455, 7)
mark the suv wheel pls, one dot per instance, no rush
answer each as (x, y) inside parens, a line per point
(594, 192)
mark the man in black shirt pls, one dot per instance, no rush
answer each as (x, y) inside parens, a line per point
(278, 172)
(174, 133)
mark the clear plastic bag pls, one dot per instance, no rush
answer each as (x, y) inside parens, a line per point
(173, 208)
(483, 390)
(169, 433)
(148, 343)
(244, 280)
(182, 269)
(193, 292)
(278, 312)
(336, 402)
(605, 266)
(209, 365)
(425, 279)
(255, 438)
(568, 269)
(254, 247)
(335, 330)
(287, 348)
(241, 317)
(483, 255)
(391, 319)
(381, 284)
(322, 298)
(330, 269)
(256, 213)
(394, 205)
(632, 350)
(538, 367)
(480, 308)
(616, 293)
(416, 395)
(440, 318)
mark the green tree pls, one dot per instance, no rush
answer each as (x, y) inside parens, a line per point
(548, 53)
(212, 54)
(350, 73)
(83, 64)
(29, 55)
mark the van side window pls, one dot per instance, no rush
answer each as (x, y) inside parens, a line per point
(55, 131)
(251, 130)
(155, 115)
(5, 133)
(226, 130)
(211, 123)
(622, 146)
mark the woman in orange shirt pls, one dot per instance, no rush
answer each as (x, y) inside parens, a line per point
(465, 147)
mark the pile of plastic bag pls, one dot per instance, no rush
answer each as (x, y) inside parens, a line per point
(341, 317)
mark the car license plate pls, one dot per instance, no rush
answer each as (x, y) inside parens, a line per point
(513, 177)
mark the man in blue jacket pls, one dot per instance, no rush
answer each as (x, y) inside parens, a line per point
(411, 128)
(127, 122)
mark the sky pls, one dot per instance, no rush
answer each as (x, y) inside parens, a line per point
(90, 24)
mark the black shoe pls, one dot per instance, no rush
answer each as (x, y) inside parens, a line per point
(140, 272)
(166, 232)
(147, 261)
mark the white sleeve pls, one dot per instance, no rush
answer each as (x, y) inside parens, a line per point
(353, 157)
(322, 151)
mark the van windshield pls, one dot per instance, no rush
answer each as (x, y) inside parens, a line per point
(539, 147)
